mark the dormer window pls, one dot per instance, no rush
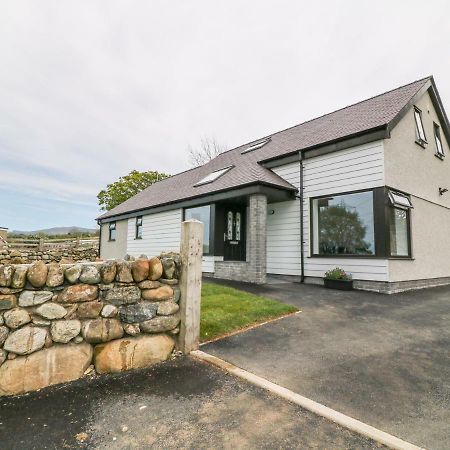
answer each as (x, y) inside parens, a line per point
(213, 176)
(256, 145)
(438, 140)
(420, 130)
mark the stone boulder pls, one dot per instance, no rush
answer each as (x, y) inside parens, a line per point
(58, 364)
(15, 318)
(131, 328)
(51, 311)
(139, 270)
(89, 310)
(90, 275)
(101, 330)
(6, 274)
(123, 272)
(108, 271)
(19, 278)
(7, 301)
(138, 312)
(78, 293)
(73, 273)
(169, 268)
(109, 311)
(122, 295)
(132, 353)
(33, 298)
(55, 276)
(167, 308)
(160, 324)
(65, 330)
(37, 274)
(155, 269)
(3, 356)
(3, 334)
(162, 293)
(148, 284)
(26, 340)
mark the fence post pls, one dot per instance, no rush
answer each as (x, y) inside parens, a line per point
(41, 244)
(191, 252)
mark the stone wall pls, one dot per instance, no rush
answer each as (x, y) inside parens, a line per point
(58, 321)
(13, 256)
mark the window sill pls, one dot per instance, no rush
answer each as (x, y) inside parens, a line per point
(404, 258)
(348, 256)
(138, 239)
(438, 155)
(111, 240)
(422, 144)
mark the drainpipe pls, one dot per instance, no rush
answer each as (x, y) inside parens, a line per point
(99, 237)
(302, 256)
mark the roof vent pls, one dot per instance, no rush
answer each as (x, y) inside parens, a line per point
(257, 145)
(213, 176)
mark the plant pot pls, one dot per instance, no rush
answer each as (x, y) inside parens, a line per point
(342, 285)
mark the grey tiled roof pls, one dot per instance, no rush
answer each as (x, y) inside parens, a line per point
(359, 118)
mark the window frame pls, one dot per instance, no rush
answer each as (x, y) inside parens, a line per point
(138, 227)
(112, 226)
(419, 140)
(212, 215)
(437, 137)
(381, 205)
(378, 224)
(220, 173)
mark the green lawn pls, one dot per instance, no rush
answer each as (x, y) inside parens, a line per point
(225, 309)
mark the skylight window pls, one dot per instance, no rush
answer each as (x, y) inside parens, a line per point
(213, 176)
(256, 145)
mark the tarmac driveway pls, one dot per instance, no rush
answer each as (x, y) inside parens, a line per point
(384, 360)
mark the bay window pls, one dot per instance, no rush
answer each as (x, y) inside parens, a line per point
(369, 223)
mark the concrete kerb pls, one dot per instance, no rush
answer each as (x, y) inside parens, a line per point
(310, 405)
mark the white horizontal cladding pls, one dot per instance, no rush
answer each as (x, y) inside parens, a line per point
(208, 263)
(360, 268)
(356, 168)
(161, 232)
(283, 238)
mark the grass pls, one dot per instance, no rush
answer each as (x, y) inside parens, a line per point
(225, 309)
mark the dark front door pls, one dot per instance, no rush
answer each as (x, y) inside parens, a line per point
(234, 236)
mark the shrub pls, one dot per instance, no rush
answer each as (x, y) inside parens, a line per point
(338, 274)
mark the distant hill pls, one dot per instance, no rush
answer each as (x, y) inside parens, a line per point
(57, 230)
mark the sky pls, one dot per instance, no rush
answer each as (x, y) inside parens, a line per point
(90, 90)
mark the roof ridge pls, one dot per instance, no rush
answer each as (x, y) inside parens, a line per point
(331, 112)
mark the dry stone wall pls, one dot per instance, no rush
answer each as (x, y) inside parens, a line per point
(14, 256)
(58, 321)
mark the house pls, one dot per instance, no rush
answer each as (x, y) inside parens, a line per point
(364, 188)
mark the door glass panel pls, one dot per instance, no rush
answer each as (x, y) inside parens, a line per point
(230, 226)
(238, 226)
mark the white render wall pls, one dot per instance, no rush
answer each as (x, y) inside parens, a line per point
(356, 168)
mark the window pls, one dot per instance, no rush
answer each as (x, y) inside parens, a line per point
(398, 216)
(437, 138)
(202, 214)
(256, 145)
(344, 224)
(421, 138)
(213, 176)
(138, 234)
(112, 231)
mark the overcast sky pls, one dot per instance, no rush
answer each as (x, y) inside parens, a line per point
(90, 90)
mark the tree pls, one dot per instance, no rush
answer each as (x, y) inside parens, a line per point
(126, 187)
(342, 232)
(209, 149)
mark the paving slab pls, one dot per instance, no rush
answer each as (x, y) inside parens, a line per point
(184, 403)
(382, 359)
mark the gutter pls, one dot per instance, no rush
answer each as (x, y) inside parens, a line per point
(302, 256)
